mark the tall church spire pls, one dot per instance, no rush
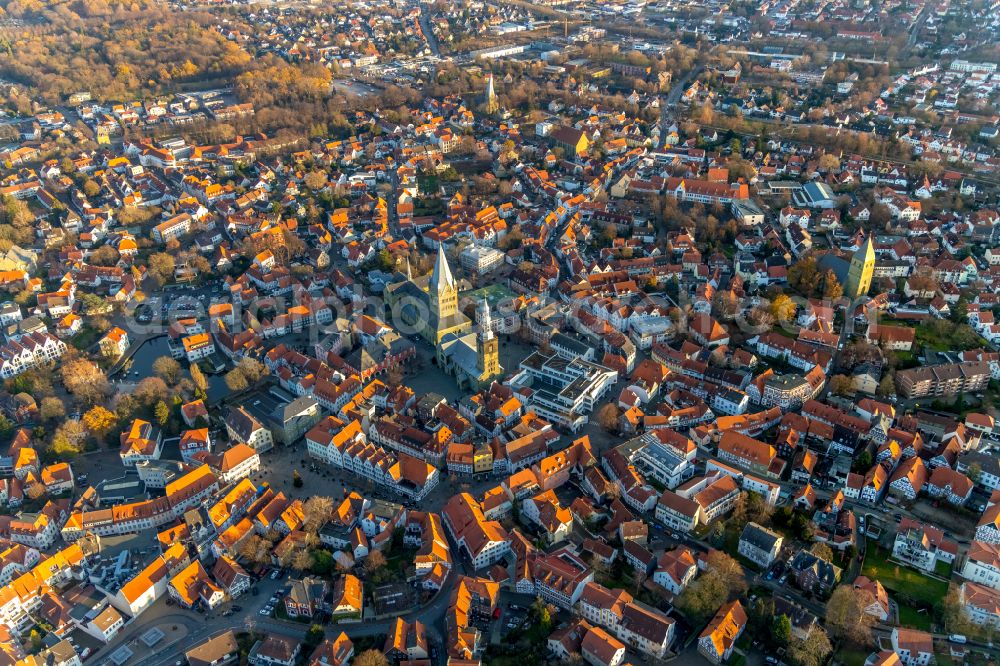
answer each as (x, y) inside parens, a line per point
(441, 278)
(492, 105)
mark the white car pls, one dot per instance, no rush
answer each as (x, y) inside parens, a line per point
(265, 611)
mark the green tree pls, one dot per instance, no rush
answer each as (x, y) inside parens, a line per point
(6, 425)
(322, 562)
(314, 636)
(297, 479)
(862, 462)
(542, 615)
(384, 261)
(723, 579)
(781, 630)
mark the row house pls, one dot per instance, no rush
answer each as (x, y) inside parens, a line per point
(28, 351)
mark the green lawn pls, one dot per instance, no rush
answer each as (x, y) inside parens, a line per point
(905, 359)
(912, 618)
(902, 580)
(85, 338)
(852, 656)
(428, 183)
(943, 569)
(424, 206)
(622, 582)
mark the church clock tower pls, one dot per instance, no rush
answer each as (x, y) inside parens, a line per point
(487, 346)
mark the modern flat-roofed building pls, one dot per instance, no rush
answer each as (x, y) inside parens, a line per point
(562, 390)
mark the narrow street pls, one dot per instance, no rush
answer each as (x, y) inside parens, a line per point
(425, 26)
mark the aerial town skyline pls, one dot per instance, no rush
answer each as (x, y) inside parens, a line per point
(504, 333)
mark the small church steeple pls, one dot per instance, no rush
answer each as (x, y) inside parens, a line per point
(492, 104)
(485, 321)
(487, 346)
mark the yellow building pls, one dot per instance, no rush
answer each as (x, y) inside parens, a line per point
(482, 459)
(571, 139)
(859, 274)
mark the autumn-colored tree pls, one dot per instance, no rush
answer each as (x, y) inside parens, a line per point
(829, 162)
(302, 560)
(822, 551)
(315, 180)
(316, 512)
(832, 289)
(161, 267)
(955, 615)
(99, 421)
(167, 369)
(150, 390)
(91, 187)
(199, 379)
(236, 381)
(607, 417)
(374, 561)
(51, 409)
(246, 374)
(68, 439)
(846, 616)
(841, 385)
(85, 380)
(162, 412)
(813, 651)
(256, 549)
(371, 657)
(803, 275)
(782, 308)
